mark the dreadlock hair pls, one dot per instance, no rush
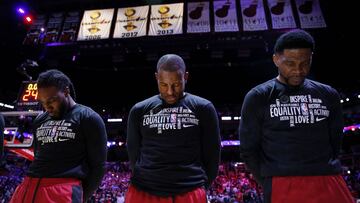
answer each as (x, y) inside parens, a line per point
(56, 78)
(293, 40)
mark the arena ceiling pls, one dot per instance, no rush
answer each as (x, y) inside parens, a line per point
(223, 66)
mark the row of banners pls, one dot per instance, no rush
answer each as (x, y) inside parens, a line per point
(167, 19)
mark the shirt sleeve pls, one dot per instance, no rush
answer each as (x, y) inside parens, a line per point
(96, 140)
(133, 138)
(250, 132)
(336, 124)
(210, 142)
(34, 126)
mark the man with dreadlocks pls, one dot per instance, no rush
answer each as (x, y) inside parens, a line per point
(70, 146)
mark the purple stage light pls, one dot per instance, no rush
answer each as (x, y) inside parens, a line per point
(20, 10)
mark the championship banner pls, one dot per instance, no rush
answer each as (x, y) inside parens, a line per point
(198, 17)
(166, 19)
(96, 24)
(281, 14)
(225, 16)
(70, 27)
(310, 14)
(131, 22)
(253, 15)
(53, 28)
(35, 34)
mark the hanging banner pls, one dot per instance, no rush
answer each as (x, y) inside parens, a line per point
(53, 28)
(70, 27)
(281, 14)
(253, 15)
(310, 14)
(131, 22)
(96, 24)
(35, 33)
(166, 19)
(198, 17)
(225, 17)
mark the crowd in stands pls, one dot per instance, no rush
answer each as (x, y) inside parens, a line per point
(114, 184)
(12, 171)
(234, 184)
(352, 179)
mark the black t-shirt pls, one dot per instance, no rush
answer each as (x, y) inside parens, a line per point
(73, 146)
(173, 148)
(288, 131)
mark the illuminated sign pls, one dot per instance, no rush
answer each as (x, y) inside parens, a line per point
(28, 95)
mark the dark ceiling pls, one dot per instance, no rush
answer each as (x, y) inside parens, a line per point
(222, 66)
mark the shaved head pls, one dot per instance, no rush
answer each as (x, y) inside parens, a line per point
(171, 62)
